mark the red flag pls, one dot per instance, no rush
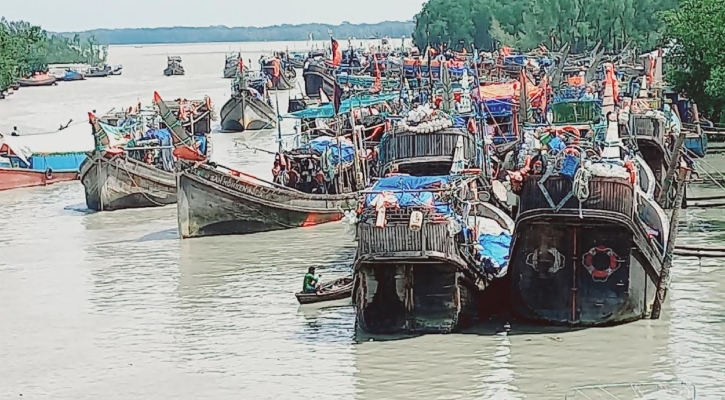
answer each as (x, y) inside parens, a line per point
(157, 97)
(336, 53)
(377, 87)
(241, 64)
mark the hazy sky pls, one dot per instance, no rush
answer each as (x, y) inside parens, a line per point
(78, 15)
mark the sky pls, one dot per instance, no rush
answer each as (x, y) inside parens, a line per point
(81, 15)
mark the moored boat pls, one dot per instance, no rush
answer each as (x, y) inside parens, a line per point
(98, 71)
(116, 70)
(232, 63)
(37, 79)
(590, 237)
(173, 66)
(132, 167)
(23, 168)
(249, 107)
(71, 75)
(318, 78)
(338, 289)
(279, 78)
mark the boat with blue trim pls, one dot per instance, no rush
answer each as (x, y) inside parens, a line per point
(20, 167)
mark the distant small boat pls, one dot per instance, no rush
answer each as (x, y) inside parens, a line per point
(37, 80)
(116, 70)
(335, 290)
(71, 75)
(98, 72)
(174, 66)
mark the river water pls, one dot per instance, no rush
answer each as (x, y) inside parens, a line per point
(115, 306)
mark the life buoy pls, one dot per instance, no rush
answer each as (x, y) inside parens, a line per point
(599, 274)
(574, 131)
(629, 165)
(48, 174)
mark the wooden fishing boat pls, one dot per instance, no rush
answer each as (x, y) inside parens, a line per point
(248, 108)
(98, 71)
(590, 237)
(318, 78)
(116, 176)
(71, 75)
(415, 270)
(216, 200)
(335, 290)
(279, 78)
(173, 66)
(37, 80)
(232, 63)
(20, 167)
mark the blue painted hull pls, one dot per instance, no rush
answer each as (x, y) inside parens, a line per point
(55, 162)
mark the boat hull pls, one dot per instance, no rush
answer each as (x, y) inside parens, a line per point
(116, 182)
(596, 268)
(212, 203)
(50, 81)
(344, 291)
(318, 78)
(15, 178)
(251, 114)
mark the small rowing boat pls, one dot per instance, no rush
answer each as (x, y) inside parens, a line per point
(335, 290)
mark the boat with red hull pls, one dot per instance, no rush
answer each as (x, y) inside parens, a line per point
(20, 168)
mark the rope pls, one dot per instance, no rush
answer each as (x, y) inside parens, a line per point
(140, 189)
(580, 185)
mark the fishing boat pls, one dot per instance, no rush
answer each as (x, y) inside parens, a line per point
(318, 78)
(249, 107)
(20, 167)
(71, 75)
(296, 59)
(590, 236)
(279, 78)
(37, 79)
(232, 64)
(314, 182)
(116, 70)
(425, 256)
(338, 289)
(132, 167)
(99, 71)
(173, 66)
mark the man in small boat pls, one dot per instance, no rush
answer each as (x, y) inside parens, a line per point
(15, 131)
(311, 283)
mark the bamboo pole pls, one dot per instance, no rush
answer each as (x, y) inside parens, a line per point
(667, 263)
(667, 184)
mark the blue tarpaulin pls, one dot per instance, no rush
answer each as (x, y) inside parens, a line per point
(326, 111)
(399, 184)
(322, 143)
(495, 252)
(164, 137)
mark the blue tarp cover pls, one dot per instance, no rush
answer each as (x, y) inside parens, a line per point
(399, 184)
(495, 252)
(320, 144)
(327, 111)
(163, 136)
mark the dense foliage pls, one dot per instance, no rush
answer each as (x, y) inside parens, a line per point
(526, 24)
(696, 53)
(26, 48)
(285, 32)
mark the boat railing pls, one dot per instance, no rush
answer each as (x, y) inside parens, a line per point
(405, 237)
(405, 149)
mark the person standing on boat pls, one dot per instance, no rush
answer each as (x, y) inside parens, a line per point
(311, 281)
(15, 131)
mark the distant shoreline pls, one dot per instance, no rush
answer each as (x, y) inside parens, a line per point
(224, 34)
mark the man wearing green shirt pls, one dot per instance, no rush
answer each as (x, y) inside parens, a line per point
(311, 282)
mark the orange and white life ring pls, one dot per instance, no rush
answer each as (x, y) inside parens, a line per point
(599, 274)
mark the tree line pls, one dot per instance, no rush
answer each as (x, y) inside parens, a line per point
(526, 24)
(286, 32)
(692, 33)
(26, 49)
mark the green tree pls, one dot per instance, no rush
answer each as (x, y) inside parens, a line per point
(696, 56)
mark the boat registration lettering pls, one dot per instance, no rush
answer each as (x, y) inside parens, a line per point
(225, 181)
